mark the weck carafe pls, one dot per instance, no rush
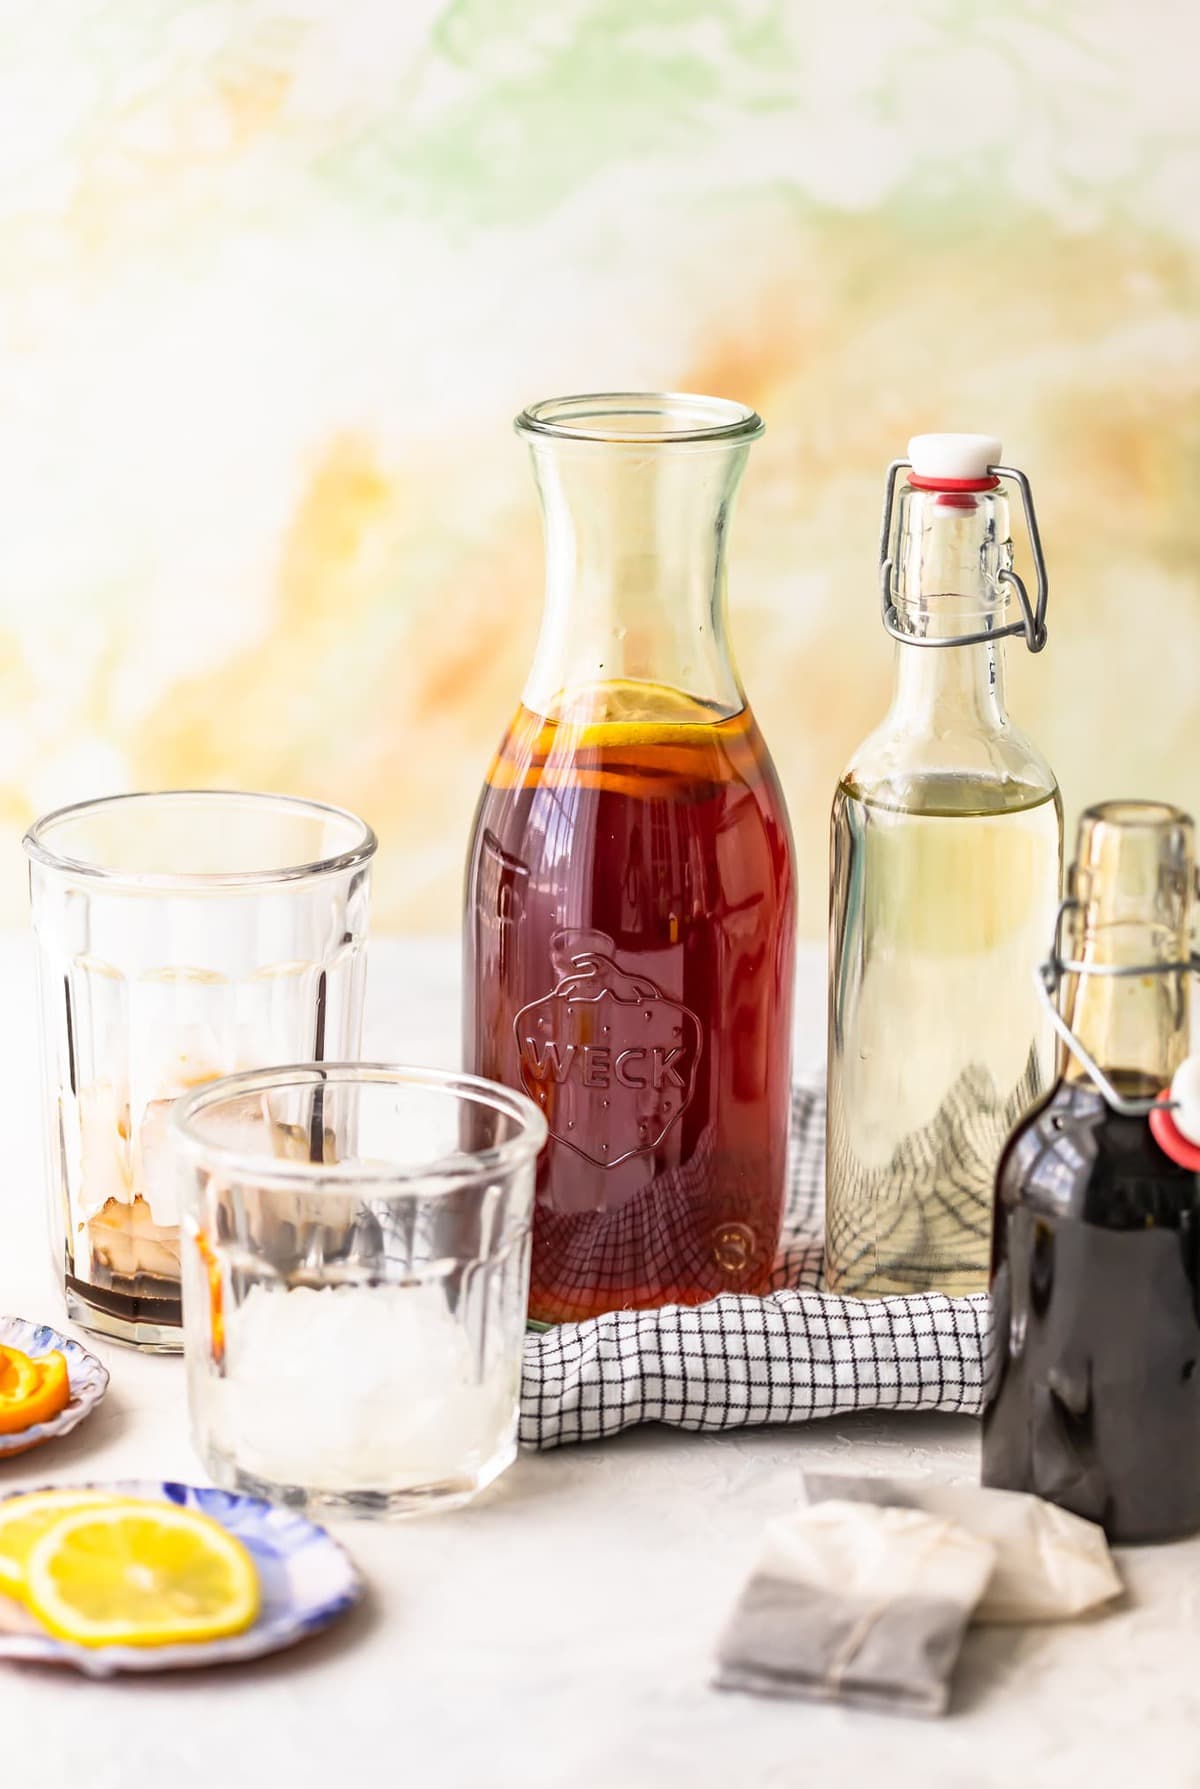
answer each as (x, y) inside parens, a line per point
(946, 847)
(629, 923)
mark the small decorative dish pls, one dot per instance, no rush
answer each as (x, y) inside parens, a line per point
(88, 1380)
(306, 1582)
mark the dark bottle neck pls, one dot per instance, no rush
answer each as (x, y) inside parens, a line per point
(1132, 885)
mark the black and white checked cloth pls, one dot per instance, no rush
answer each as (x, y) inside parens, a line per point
(798, 1353)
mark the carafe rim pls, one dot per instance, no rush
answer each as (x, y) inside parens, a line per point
(640, 419)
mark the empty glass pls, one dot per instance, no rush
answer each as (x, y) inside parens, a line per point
(180, 937)
(356, 1274)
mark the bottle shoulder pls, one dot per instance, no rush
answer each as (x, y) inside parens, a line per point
(1071, 1156)
(902, 767)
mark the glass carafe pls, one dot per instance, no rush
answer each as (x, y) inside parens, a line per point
(629, 925)
(946, 846)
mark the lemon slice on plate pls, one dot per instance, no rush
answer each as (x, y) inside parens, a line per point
(23, 1522)
(138, 1573)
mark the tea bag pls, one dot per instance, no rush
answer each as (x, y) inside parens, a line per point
(1050, 1565)
(854, 1603)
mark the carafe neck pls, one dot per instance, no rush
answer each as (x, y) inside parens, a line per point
(636, 513)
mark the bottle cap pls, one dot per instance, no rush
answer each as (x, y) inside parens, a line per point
(1185, 1091)
(954, 458)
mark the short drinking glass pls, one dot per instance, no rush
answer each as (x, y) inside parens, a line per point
(356, 1274)
(180, 937)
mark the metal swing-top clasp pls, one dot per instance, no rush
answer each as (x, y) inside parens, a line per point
(1050, 977)
(1033, 615)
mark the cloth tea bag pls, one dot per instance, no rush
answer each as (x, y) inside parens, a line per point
(1050, 1564)
(854, 1603)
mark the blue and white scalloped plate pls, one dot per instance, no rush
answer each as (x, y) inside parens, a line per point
(89, 1381)
(307, 1581)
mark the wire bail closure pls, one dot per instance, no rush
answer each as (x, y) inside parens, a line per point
(1033, 616)
(1050, 976)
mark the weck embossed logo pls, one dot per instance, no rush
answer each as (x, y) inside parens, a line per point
(606, 1055)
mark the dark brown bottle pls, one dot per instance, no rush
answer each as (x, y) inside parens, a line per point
(1094, 1385)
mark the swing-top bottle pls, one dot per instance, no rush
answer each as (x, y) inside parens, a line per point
(946, 848)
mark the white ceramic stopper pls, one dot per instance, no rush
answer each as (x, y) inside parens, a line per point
(954, 456)
(1185, 1091)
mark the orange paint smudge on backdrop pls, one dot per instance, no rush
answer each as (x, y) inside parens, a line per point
(385, 677)
(455, 683)
(254, 98)
(265, 715)
(476, 658)
(347, 496)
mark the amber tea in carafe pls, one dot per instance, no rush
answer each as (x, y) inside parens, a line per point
(630, 908)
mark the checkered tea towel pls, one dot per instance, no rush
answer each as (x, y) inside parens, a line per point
(798, 1353)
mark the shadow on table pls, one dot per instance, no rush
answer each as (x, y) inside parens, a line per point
(991, 1656)
(72, 1458)
(313, 1654)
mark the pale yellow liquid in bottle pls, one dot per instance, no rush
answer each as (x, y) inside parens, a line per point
(940, 913)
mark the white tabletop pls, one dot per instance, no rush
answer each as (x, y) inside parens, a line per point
(559, 1633)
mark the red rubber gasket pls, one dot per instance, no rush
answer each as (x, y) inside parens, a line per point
(1171, 1140)
(920, 483)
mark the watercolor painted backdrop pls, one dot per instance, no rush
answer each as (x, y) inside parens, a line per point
(275, 277)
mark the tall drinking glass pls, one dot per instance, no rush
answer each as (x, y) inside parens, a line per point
(180, 937)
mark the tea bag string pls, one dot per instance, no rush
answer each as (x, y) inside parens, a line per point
(852, 1645)
(848, 1651)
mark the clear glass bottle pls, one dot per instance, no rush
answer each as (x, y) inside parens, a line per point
(628, 938)
(1094, 1384)
(945, 867)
